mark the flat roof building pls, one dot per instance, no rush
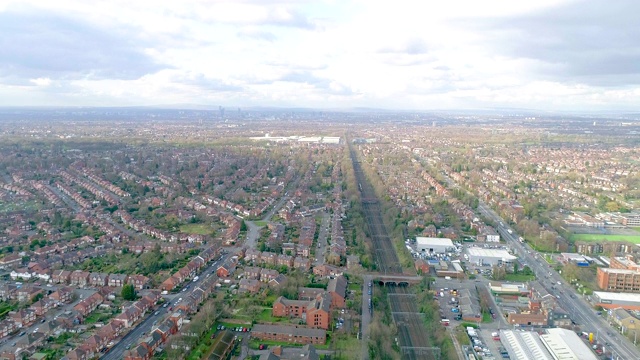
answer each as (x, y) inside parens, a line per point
(434, 245)
(611, 300)
(489, 256)
(565, 344)
(524, 345)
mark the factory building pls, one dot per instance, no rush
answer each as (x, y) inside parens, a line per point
(430, 245)
(489, 257)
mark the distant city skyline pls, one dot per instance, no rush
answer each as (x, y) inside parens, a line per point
(556, 55)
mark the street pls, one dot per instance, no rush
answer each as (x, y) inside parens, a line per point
(134, 336)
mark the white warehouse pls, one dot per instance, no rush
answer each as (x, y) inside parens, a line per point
(429, 245)
(489, 256)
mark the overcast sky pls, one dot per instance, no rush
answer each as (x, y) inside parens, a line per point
(543, 54)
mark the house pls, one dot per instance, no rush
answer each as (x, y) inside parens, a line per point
(302, 263)
(140, 352)
(225, 270)
(138, 281)
(76, 354)
(61, 277)
(325, 270)
(337, 288)
(79, 278)
(63, 294)
(252, 272)
(23, 318)
(267, 275)
(23, 274)
(86, 306)
(117, 280)
(250, 285)
(98, 279)
(308, 294)
(170, 283)
(278, 281)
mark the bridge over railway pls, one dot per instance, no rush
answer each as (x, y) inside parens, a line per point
(395, 279)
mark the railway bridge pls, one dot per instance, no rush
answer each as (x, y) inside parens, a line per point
(395, 279)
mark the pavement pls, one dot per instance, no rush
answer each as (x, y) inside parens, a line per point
(579, 310)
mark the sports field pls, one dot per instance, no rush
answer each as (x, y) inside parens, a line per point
(600, 237)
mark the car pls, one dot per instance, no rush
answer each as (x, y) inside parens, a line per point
(128, 347)
(156, 313)
(165, 305)
(218, 327)
(43, 320)
(170, 308)
(262, 346)
(22, 333)
(244, 329)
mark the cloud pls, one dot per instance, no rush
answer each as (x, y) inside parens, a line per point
(593, 42)
(257, 35)
(205, 83)
(49, 45)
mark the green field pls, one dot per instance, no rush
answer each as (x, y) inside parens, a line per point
(201, 229)
(599, 237)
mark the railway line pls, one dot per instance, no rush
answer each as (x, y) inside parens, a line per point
(413, 339)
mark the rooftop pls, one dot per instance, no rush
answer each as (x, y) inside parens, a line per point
(524, 345)
(491, 253)
(566, 345)
(434, 241)
(604, 295)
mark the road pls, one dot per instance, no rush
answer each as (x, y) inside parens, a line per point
(253, 230)
(567, 298)
(134, 336)
(322, 239)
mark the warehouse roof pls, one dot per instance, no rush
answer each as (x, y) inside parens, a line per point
(566, 345)
(434, 241)
(604, 295)
(491, 253)
(524, 345)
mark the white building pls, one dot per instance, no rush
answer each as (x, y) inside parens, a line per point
(489, 256)
(566, 344)
(429, 245)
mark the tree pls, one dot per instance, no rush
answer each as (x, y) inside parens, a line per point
(128, 292)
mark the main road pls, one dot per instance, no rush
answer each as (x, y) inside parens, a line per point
(567, 298)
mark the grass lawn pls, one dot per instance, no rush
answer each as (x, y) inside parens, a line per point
(519, 277)
(260, 223)
(599, 237)
(348, 346)
(486, 317)
(200, 229)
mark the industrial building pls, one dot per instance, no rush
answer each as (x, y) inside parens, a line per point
(489, 257)
(611, 300)
(555, 344)
(430, 245)
(566, 344)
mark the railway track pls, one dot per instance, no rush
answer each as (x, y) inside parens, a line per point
(412, 335)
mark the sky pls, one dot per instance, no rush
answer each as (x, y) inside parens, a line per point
(458, 54)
